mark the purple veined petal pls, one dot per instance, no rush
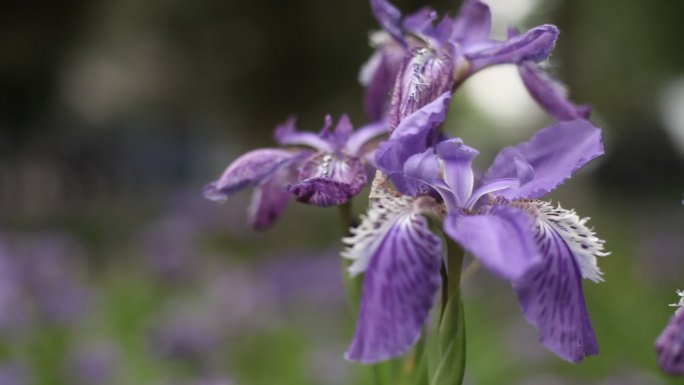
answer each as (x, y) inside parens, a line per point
(416, 133)
(269, 200)
(420, 20)
(426, 74)
(389, 18)
(421, 172)
(670, 345)
(359, 139)
(458, 171)
(329, 180)
(554, 153)
(473, 23)
(249, 170)
(534, 45)
(401, 258)
(551, 295)
(550, 94)
(286, 134)
(501, 238)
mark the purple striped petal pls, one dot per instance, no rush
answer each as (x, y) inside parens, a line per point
(550, 294)
(670, 345)
(403, 259)
(550, 94)
(501, 239)
(328, 180)
(250, 169)
(554, 154)
(473, 23)
(426, 74)
(534, 45)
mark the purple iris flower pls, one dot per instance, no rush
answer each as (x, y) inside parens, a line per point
(322, 169)
(670, 345)
(420, 59)
(543, 250)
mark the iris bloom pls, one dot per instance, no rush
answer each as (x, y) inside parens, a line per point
(428, 58)
(323, 169)
(544, 251)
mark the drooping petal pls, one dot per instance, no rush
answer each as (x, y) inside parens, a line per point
(416, 133)
(458, 170)
(473, 23)
(250, 169)
(501, 239)
(670, 345)
(554, 153)
(534, 45)
(329, 180)
(286, 134)
(389, 18)
(269, 200)
(550, 94)
(401, 258)
(550, 294)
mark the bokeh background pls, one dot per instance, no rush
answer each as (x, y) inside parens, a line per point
(114, 114)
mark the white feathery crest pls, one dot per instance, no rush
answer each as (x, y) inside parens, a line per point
(581, 240)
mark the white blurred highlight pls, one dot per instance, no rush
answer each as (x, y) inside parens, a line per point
(671, 106)
(498, 95)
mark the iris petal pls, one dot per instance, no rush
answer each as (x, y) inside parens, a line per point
(401, 258)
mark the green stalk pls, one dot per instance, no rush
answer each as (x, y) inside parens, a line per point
(352, 285)
(446, 365)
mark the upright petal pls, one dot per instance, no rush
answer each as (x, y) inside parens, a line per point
(550, 294)
(473, 24)
(501, 239)
(389, 18)
(329, 180)
(416, 133)
(378, 75)
(534, 45)
(670, 345)
(426, 74)
(250, 169)
(286, 134)
(420, 20)
(554, 153)
(550, 94)
(458, 170)
(360, 140)
(401, 258)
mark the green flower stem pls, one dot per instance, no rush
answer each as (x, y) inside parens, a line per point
(446, 361)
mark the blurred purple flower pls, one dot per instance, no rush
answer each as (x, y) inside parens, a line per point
(13, 373)
(170, 245)
(324, 169)
(48, 266)
(92, 364)
(186, 336)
